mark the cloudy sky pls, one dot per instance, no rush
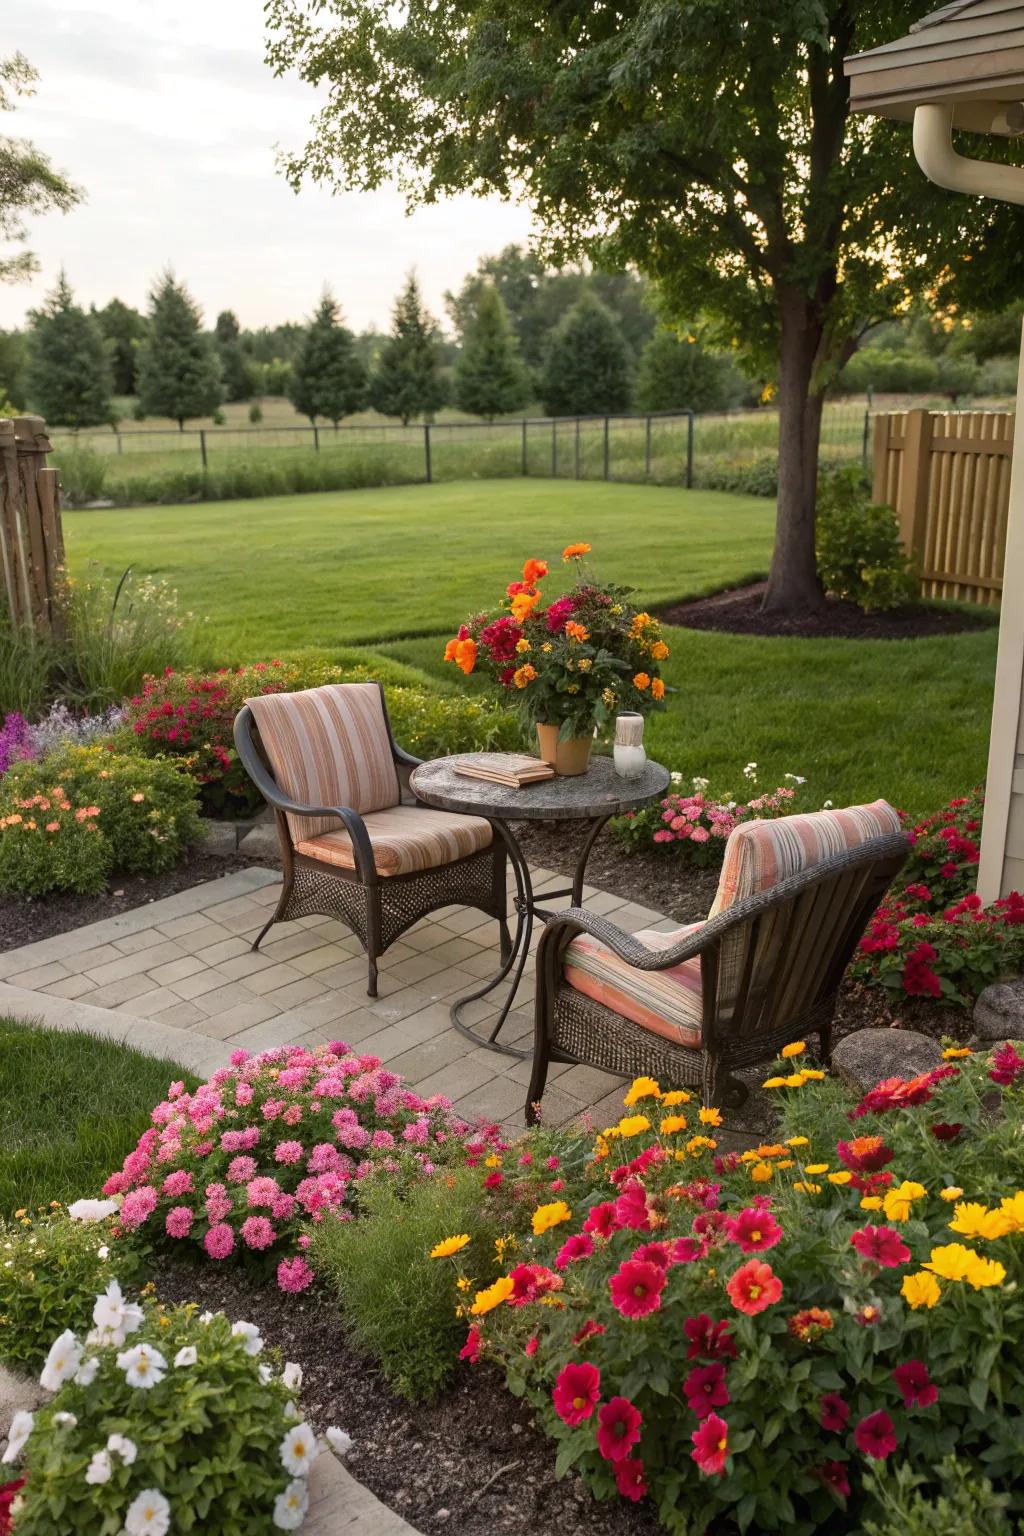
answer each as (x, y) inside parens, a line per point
(166, 114)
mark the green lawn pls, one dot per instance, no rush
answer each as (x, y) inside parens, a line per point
(72, 1106)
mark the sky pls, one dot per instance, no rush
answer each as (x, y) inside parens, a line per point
(167, 116)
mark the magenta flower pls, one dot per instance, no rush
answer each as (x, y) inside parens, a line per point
(219, 1241)
(294, 1275)
(618, 1428)
(576, 1392)
(705, 1388)
(258, 1232)
(636, 1288)
(579, 1246)
(179, 1221)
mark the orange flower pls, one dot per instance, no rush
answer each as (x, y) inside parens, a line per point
(657, 688)
(523, 605)
(641, 681)
(577, 631)
(524, 675)
(534, 570)
(575, 551)
(659, 651)
(753, 1287)
(461, 650)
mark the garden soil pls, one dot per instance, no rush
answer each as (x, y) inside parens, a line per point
(738, 612)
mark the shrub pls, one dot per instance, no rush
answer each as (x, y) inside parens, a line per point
(270, 1142)
(15, 741)
(860, 553)
(162, 1421)
(51, 1267)
(118, 632)
(396, 1300)
(62, 727)
(695, 826)
(83, 474)
(27, 662)
(48, 844)
(744, 1336)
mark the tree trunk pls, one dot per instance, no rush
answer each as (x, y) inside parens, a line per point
(793, 585)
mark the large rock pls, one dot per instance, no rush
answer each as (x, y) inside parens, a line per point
(16, 1393)
(999, 1011)
(865, 1058)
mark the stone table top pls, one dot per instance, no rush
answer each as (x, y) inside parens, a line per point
(589, 796)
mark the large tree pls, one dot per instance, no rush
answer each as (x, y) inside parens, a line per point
(124, 329)
(491, 378)
(407, 380)
(707, 142)
(587, 368)
(677, 372)
(28, 182)
(68, 378)
(178, 371)
(328, 378)
(236, 369)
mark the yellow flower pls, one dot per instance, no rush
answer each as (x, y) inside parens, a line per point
(659, 651)
(698, 1144)
(985, 1272)
(785, 1162)
(952, 1261)
(816, 1168)
(522, 645)
(796, 1048)
(494, 1161)
(956, 1052)
(449, 1245)
(774, 1082)
(797, 1141)
(973, 1220)
(493, 1296)
(842, 1177)
(523, 675)
(812, 1075)
(711, 1116)
(871, 1203)
(761, 1172)
(896, 1203)
(462, 1283)
(671, 1124)
(633, 1125)
(641, 1088)
(1012, 1207)
(951, 1192)
(547, 1216)
(547, 647)
(677, 1096)
(808, 1189)
(920, 1290)
(796, 1081)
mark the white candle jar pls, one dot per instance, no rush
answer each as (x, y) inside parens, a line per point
(628, 754)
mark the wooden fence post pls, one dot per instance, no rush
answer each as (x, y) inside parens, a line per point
(31, 539)
(915, 482)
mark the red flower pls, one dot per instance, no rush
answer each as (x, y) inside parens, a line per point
(629, 1479)
(834, 1413)
(531, 1346)
(710, 1445)
(684, 1250)
(943, 1132)
(881, 1245)
(576, 1391)
(631, 1208)
(653, 1253)
(754, 1229)
(810, 1324)
(579, 1246)
(753, 1287)
(833, 1475)
(705, 1388)
(530, 1281)
(876, 1436)
(618, 1428)
(919, 980)
(917, 1387)
(494, 1180)
(709, 1339)
(471, 1349)
(1007, 1065)
(602, 1220)
(590, 1330)
(558, 613)
(636, 1288)
(864, 1154)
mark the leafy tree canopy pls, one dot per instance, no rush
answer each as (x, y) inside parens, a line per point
(328, 379)
(677, 372)
(178, 372)
(69, 377)
(587, 371)
(28, 182)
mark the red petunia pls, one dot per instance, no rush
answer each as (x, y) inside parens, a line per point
(835, 1412)
(754, 1229)
(684, 1250)
(916, 1386)
(1007, 1065)
(631, 1208)
(576, 1391)
(833, 1475)
(710, 1445)
(618, 1428)
(881, 1245)
(529, 1282)
(753, 1287)
(636, 1288)
(705, 1388)
(471, 1349)
(943, 1132)
(590, 1330)
(653, 1253)
(864, 1154)
(579, 1246)
(602, 1220)
(707, 1338)
(629, 1478)
(876, 1435)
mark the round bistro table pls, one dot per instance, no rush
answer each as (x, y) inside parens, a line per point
(592, 797)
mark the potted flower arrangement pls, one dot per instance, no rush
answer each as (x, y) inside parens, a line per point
(568, 665)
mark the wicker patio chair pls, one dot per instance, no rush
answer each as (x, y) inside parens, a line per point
(688, 1007)
(326, 762)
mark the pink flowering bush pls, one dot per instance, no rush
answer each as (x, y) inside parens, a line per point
(272, 1143)
(696, 825)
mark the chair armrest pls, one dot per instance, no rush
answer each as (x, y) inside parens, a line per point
(562, 929)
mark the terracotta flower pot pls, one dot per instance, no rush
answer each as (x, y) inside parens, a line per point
(568, 757)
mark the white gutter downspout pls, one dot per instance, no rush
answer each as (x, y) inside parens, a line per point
(934, 152)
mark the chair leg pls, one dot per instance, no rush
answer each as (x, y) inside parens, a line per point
(279, 910)
(505, 939)
(538, 1079)
(371, 985)
(373, 944)
(709, 1079)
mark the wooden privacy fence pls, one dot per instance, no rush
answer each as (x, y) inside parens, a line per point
(947, 473)
(31, 539)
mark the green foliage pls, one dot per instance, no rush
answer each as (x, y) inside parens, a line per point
(236, 370)
(46, 846)
(206, 1436)
(27, 662)
(13, 358)
(328, 379)
(29, 185)
(406, 381)
(968, 1505)
(587, 370)
(116, 633)
(255, 413)
(83, 474)
(860, 553)
(178, 371)
(677, 372)
(124, 328)
(396, 1301)
(68, 379)
(491, 378)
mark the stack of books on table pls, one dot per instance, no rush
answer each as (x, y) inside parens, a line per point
(514, 769)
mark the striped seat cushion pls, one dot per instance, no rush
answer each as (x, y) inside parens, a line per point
(405, 839)
(760, 854)
(328, 746)
(668, 1003)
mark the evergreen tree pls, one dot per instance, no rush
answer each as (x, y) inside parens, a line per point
(69, 374)
(677, 373)
(13, 359)
(587, 370)
(124, 329)
(328, 378)
(236, 369)
(491, 378)
(178, 372)
(407, 381)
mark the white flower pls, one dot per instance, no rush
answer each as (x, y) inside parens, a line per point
(102, 1251)
(21, 1428)
(206, 1317)
(290, 1507)
(298, 1450)
(120, 1445)
(250, 1334)
(91, 1210)
(699, 784)
(65, 1420)
(290, 1410)
(292, 1376)
(675, 778)
(339, 1442)
(750, 772)
(100, 1468)
(114, 1317)
(87, 1371)
(265, 1373)
(143, 1365)
(826, 805)
(148, 1515)
(62, 1362)
(794, 778)
(186, 1355)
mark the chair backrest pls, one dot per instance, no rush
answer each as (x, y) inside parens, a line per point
(328, 746)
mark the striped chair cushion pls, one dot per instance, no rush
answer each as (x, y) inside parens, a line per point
(668, 1003)
(761, 853)
(328, 746)
(404, 839)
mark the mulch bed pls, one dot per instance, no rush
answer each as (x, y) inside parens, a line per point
(473, 1463)
(738, 612)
